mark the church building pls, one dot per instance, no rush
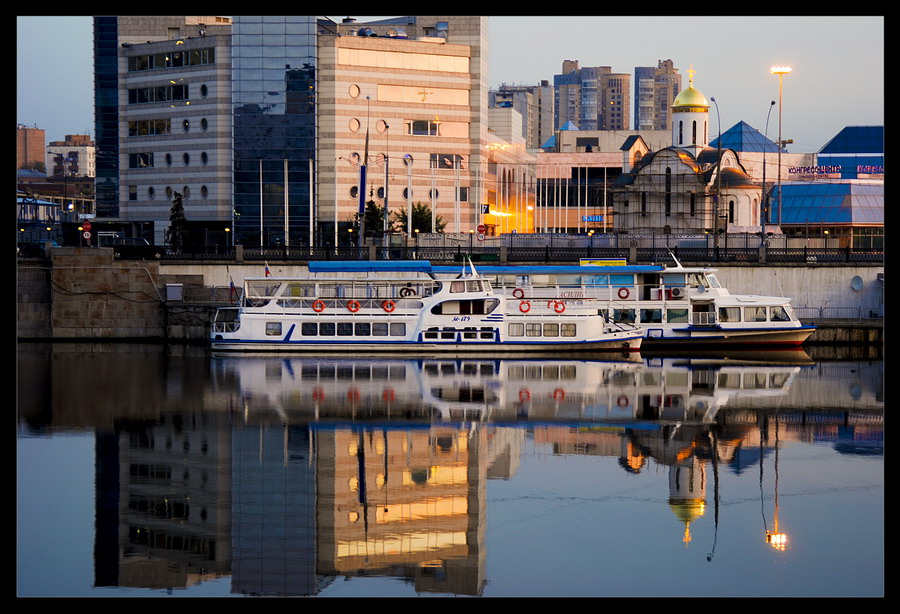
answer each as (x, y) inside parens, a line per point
(688, 187)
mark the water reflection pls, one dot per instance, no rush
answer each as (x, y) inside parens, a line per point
(288, 473)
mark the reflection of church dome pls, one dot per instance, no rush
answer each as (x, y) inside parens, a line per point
(687, 511)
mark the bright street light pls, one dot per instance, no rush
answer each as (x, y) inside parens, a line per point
(781, 71)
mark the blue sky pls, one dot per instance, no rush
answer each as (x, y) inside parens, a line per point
(837, 79)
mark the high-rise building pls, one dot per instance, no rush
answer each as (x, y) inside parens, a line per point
(536, 105)
(593, 98)
(654, 90)
(274, 116)
(30, 142)
(162, 121)
(407, 99)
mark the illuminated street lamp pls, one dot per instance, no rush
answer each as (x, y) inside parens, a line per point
(781, 71)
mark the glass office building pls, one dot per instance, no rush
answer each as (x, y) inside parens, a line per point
(858, 150)
(106, 115)
(274, 115)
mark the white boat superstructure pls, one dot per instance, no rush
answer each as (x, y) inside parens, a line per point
(670, 305)
(417, 314)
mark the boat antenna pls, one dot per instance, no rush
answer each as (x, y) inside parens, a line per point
(677, 264)
(472, 267)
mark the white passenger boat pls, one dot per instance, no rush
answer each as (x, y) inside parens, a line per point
(670, 305)
(375, 309)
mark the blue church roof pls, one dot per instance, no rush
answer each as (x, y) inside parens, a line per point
(744, 137)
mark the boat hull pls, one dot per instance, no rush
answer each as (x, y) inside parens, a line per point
(612, 343)
(690, 336)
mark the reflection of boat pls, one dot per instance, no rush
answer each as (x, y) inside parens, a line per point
(671, 305)
(412, 313)
(467, 389)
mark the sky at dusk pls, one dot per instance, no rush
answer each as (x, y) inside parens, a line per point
(837, 78)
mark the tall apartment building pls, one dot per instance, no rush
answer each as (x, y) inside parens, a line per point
(654, 90)
(72, 157)
(537, 106)
(593, 98)
(162, 120)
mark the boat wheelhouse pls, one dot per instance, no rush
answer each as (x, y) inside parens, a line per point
(361, 308)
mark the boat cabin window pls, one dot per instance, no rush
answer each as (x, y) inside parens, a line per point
(466, 307)
(729, 314)
(698, 279)
(651, 316)
(754, 314)
(780, 314)
(273, 329)
(550, 329)
(624, 315)
(713, 282)
(676, 316)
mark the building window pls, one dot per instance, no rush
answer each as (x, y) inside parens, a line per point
(151, 193)
(186, 158)
(204, 125)
(204, 158)
(168, 159)
(186, 125)
(204, 191)
(140, 160)
(132, 192)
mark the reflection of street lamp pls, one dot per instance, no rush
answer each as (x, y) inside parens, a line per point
(471, 232)
(781, 71)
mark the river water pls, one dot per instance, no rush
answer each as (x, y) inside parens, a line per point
(156, 470)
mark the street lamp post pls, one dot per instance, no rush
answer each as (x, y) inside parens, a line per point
(718, 177)
(780, 71)
(763, 208)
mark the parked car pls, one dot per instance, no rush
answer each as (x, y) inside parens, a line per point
(136, 248)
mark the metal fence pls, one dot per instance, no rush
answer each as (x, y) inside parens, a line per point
(552, 248)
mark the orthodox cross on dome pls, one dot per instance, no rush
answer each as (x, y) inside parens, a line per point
(691, 72)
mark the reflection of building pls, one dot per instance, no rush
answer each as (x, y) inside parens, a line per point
(164, 503)
(403, 502)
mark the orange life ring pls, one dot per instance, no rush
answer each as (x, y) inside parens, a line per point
(519, 293)
(318, 394)
(389, 306)
(622, 401)
(623, 293)
(353, 394)
(524, 306)
(388, 394)
(559, 307)
(318, 305)
(353, 306)
(559, 394)
(524, 395)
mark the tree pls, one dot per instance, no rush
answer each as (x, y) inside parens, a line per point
(176, 233)
(421, 219)
(374, 220)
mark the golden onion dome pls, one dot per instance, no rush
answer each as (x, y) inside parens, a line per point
(690, 99)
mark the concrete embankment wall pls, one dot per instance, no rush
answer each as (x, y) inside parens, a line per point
(84, 293)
